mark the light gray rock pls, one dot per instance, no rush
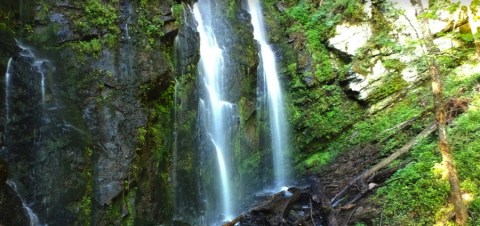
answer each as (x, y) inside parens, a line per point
(343, 41)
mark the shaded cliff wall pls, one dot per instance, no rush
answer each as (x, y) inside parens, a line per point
(96, 151)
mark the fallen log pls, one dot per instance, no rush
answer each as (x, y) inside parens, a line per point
(362, 179)
(273, 210)
(319, 196)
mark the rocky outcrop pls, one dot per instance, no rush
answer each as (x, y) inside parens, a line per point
(343, 42)
(382, 50)
(75, 150)
(185, 152)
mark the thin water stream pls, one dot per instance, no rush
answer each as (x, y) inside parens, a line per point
(7, 93)
(275, 101)
(33, 218)
(216, 111)
(38, 64)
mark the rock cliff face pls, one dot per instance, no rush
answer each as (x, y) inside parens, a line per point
(85, 78)
(375, 67)
(89, 134)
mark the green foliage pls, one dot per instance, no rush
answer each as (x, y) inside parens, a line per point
(392, 84)
(380, 42)
(149, 22)
(318, 159)
(422, 179)
(154, 142)
(319, 107)
(373, 129)
(177, 11)
(318, 23)
(98, 15)
(465, 144)
(130, 203)
(460, 80)
(441, 5)
(251, 162)
(415, 193)
(465, 37)
(322, 112)
(141, 132)
(7, 22)
(327, 123)
(393, 65)
(360, 224)
(99, 19)
(93, 47)
(43, 10)
(86, 204)
(452, 58)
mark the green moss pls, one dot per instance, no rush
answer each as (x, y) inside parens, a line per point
(390, 85)
(417, 194)
(154, 147)
(96, 19)
(177, 11)
(318, 23)
(149, 23)
(113, 212)
(85, 48)
(319, 114)
(232, 8)
(7, 21)
(380, 128)
(130, 203)
(421, 182)
(99, 15)
(141, 132)
(86, 203)
(318, 159)
(319, 110)
(465, 144)
(395, 65)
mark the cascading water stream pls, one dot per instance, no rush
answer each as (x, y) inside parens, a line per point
(38, 64)
(215, 110)
(275, 104)
(7, 93)
(34, 221)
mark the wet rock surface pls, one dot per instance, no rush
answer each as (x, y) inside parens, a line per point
(72, 152)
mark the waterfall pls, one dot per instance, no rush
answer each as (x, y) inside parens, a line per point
(215, 112)
(38, 64)
(29, 132)
(34, 221)
(7, 93)
(275, 103)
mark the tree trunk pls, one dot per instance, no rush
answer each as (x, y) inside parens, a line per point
(434, 71)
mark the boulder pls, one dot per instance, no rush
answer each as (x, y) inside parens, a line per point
(343, 42)
(364, 84)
